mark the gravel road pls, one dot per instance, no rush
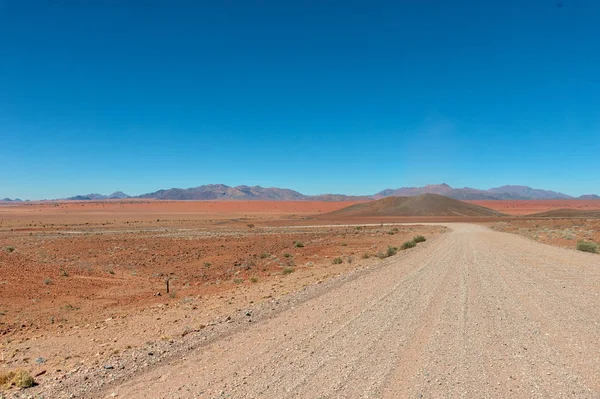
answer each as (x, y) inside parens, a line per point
(473, 314)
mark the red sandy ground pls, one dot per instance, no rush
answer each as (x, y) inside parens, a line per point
(79, 281)
(526, 207)
(136, 211)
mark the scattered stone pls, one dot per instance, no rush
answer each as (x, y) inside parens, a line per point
(108, 367)
(40, 360)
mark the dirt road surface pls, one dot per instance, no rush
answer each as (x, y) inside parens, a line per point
(473, 314)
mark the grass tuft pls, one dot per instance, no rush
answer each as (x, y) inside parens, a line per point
(337, 261)
(419, 239)
(408, 244)
(288, 270)
(587, 246)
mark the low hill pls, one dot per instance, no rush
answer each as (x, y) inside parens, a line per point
(589, 197)
(422, 205)
(118, 195)
(567, 213)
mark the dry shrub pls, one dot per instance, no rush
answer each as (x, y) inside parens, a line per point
(408, 244)
(17, 378)
(587, 246)
(288, 270)
(419, 239)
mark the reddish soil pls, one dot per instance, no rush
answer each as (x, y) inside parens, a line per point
(527, 207)
(82, 282)
(57, 214)
(79, 281)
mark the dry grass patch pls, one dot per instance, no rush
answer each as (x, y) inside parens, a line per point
(288, 270)
(16, 378)
(587, 246)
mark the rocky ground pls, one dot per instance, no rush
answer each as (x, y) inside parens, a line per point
(470, 313)
(564, 233)
(92, 295)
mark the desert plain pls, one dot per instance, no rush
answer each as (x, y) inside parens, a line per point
(84, 305)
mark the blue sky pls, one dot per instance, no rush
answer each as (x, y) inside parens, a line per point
(318, 96)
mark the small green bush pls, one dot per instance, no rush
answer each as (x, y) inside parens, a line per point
(299, 244)
(286, 255)
(288, 270)
(587, 246)
(10, 249)
(419, 239)
(366, 255)
(254, 279)
(337, 261)
(381, 255)
(391, 251)
(408, 244)
(264, 255)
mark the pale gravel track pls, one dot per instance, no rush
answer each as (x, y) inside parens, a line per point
(472, 314)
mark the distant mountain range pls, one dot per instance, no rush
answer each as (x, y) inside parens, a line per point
(467, 193)
(94, 196)
(224, 192)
